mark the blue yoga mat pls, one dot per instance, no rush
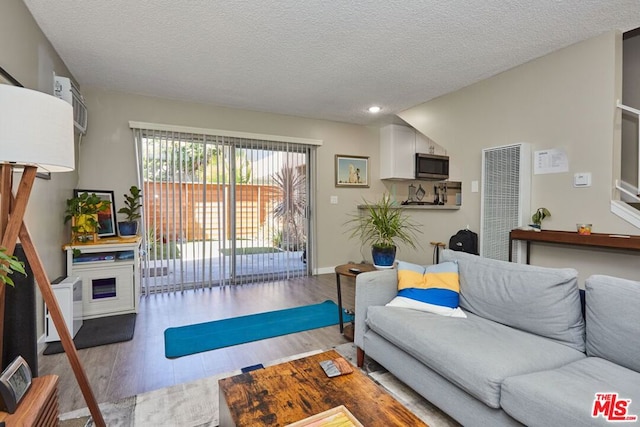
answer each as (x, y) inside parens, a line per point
(191, 339)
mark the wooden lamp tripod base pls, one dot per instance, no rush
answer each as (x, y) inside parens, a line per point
(12, 227)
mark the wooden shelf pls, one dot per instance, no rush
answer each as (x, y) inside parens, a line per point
(422, 207)
(601, 240)
(39, 407)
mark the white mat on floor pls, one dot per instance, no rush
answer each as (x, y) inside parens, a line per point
(196, 403)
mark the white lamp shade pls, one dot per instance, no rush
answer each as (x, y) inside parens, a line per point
(36, 129)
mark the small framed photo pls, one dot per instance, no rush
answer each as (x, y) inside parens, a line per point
(106, 218)
(352, 171)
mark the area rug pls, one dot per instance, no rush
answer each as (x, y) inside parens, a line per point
(195, 404)
(191, 339)
(100, 331)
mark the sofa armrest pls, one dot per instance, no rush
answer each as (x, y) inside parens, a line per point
(372, 288)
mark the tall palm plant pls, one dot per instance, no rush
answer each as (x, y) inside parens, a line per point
(292, 204)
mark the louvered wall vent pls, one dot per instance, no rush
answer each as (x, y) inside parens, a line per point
(506, 198)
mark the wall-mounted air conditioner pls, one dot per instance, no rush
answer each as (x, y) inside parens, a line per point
(65, 89)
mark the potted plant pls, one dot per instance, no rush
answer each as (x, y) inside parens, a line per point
(383, 225)
(132, 211)
(83, 211)
(9, 264)
(538, 216)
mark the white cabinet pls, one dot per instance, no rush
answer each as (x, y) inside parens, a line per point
(424, 144)
(68, 293)
(397, 152)
(110, 274)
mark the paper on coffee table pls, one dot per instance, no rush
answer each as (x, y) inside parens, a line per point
(334, 417)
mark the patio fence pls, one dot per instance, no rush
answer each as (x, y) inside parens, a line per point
(172, 209)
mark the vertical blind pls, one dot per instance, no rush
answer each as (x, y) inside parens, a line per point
(220, 209)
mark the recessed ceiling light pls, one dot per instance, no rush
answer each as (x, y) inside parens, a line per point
(374, 109)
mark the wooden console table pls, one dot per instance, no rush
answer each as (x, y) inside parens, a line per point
(623, 242)
(39, 407)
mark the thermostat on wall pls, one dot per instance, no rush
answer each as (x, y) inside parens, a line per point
(582, 179)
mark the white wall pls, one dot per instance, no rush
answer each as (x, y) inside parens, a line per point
(567, 100)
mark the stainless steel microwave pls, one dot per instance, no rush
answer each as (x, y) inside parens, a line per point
(432, 166)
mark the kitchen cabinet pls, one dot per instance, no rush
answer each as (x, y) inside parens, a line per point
(398, 147)
(397, 152)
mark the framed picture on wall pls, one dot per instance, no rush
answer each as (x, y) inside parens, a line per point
(352, 171)
(106, 218)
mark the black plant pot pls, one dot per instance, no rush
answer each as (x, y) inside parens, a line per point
(383, 257)
(127, 228)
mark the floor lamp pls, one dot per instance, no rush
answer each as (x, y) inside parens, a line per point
(36, 131)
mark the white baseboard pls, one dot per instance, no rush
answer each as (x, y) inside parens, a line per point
(324, 270)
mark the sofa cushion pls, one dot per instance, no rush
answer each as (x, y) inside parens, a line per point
(544, 301)
(433, 288)
(612, 313)
(475, 354)
(565, 396)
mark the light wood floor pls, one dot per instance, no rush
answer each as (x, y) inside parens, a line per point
(126, 369)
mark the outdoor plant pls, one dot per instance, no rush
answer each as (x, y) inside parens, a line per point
(83, 211)
(539, 215)
(158, 248)
(383, 225)
(9, 264)
(291, 207)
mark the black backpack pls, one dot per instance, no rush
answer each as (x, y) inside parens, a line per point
(465, 241)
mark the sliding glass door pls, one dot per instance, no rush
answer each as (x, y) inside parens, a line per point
(222, 210)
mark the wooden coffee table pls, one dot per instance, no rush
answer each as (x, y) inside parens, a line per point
(282, 394)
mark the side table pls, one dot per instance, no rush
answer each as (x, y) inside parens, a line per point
(39, 407)
(343, 270)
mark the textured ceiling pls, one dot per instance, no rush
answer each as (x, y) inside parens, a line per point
(320, 59)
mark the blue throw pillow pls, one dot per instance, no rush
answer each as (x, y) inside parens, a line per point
(434, 289)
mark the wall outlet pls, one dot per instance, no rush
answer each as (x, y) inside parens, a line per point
(333, 200)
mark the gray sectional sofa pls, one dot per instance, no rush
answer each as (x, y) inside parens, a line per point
(524, 355)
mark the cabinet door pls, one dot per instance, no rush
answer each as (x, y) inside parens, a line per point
(107, 291)
(397, 152)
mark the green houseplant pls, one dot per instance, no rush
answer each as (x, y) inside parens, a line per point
(538, 216)
(8, 265)
(383, 225)
(132, 212)
(82, 210)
